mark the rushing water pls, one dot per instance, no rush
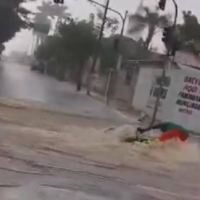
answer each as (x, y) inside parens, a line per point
(106, 146)
(176, 161)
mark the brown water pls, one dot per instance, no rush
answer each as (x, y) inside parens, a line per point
(106, 146)
(180, 162)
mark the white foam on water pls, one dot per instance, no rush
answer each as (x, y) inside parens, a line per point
(166, 195)
(106, 146)
(37, 192)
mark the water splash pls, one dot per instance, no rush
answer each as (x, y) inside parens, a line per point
(105, 146)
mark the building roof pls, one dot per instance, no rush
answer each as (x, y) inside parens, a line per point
(188, 68)
(187, 59)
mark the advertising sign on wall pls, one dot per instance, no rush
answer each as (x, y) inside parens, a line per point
(180, 100)
(189, 96)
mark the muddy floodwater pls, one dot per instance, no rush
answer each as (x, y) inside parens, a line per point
(167, 172)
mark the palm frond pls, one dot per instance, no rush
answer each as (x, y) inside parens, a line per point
(137, 18)
(137, 23)
(99, 14)
(164, 20)
(136, 28)
(147, 10)
(53, 10)
(150, 19)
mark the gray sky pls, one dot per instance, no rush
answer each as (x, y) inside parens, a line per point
(82, 9)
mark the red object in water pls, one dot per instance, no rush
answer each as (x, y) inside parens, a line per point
(173, 134)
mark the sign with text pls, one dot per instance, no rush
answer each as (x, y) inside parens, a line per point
(156, 91)
(189, 95)
(180, 99)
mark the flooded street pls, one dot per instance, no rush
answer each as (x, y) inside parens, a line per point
(47, 155)
(99, 100)
(19, 82)
(67, 157)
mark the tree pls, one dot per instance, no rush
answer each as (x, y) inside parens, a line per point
(71, 47)
(107, 23)
(80, 42)
(13, 17)
(108, 56)
(150, 20)
(47, 51)
(55, 11)
(112, 24)
(189, 32)
(190, 24)
(52, 53)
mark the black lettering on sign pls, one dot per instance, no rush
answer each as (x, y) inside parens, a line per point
(192, 80)
(188, 104)
(183, 110)
(179, 102)
(190, 88)
(187, 96)
(186, 79)
(156, 93)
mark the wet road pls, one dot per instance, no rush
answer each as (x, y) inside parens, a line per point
(70, 178)
(17, 81)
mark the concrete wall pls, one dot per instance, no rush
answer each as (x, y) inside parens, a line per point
(187, 113)
(143, 87)
(146, 76)
(100, 83)
(123, 91)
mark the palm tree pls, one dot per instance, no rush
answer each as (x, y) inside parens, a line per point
(54, 11)
(189, 32)
(150, 20)
(47, 10)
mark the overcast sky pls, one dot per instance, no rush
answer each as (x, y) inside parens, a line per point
(82, 9)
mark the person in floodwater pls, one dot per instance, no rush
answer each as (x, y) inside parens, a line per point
(169, 130)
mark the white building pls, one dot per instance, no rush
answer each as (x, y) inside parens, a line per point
(180, 102)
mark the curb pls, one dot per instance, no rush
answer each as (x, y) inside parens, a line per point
(29, 105)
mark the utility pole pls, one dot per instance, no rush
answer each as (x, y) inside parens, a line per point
(117, 40)
(119, 60)
(99, 44)
(123, 18)
(162, 5)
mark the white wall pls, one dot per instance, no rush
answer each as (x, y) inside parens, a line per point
(143, 86)
(181, 114)
(169, 109)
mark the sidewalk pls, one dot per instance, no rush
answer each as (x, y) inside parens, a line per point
(123, 110)
(95, 106)
(89, 108)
